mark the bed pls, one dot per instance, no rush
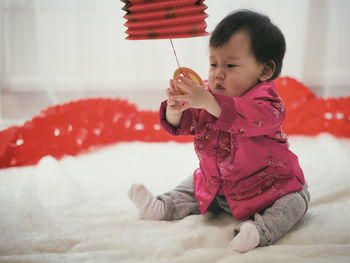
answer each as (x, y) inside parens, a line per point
(65, 177)
(76, 209)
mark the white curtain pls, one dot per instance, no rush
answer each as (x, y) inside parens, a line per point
(77, 45)
(80, 44)
(327, 48)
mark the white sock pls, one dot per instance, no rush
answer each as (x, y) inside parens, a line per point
(149, 206)
(247, 239)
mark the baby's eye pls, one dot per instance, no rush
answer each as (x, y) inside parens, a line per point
(213, 65)
(231, 65)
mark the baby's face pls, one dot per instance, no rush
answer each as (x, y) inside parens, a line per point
(233, 67)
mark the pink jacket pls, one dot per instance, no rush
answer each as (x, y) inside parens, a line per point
(243, 154)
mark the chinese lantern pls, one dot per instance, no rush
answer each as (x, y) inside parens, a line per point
(160, 19)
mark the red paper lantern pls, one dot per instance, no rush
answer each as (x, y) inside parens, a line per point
(160, 19)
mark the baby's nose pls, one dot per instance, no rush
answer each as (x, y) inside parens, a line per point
(220, 73)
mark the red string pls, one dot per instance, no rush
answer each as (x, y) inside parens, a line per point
(177, 61)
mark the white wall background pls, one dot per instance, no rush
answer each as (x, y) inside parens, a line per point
(57, 45)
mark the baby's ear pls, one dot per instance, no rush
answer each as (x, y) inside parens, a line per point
(268, 70)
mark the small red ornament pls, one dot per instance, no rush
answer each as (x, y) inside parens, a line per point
(188, 73)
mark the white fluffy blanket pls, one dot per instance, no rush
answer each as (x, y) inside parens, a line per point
(77, 210)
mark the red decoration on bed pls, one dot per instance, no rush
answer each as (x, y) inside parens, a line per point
(72, 128)
(310, 115)
(159, 19)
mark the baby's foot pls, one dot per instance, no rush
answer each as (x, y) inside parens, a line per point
(149, 206)
(247, 239)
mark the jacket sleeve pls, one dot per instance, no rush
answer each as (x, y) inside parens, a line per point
(188, 123)
(249, 115)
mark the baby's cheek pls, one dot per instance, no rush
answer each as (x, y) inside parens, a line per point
(211, 81)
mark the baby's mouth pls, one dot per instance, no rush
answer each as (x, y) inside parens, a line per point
(219, 87)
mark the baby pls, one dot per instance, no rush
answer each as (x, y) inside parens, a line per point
(245, 166)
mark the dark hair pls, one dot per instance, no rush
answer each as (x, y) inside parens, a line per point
(267, 40)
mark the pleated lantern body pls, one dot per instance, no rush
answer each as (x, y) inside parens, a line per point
(161, 19)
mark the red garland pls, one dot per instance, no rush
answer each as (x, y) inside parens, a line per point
(71, 128)
(309, 115)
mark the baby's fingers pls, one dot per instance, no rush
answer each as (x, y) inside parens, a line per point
(171, 83)
(173, 88)
(178, 107)
(184, 106)
(182, 85)
(171, 102)
(181, 98)
(170, 92)
(187, 81)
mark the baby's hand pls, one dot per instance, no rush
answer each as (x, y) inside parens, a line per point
(196, 95)
(175, 106)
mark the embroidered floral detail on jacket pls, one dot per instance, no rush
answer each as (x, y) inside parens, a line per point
(259, 123)
(226, 166)
(276, 113)
(277, 189)
(193, 126)
(279, 106)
